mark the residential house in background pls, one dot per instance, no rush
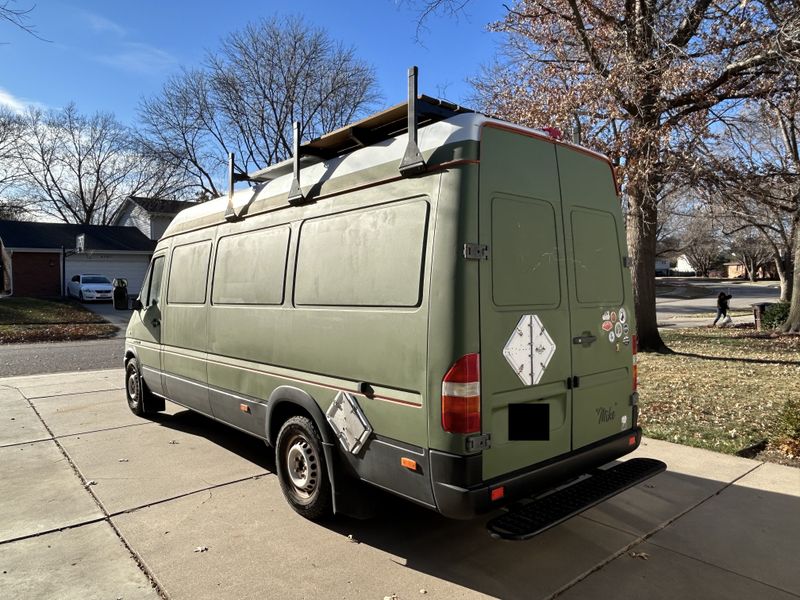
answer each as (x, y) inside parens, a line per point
(39, 258)
(149, 215)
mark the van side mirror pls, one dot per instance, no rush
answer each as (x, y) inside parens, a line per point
(136, 304)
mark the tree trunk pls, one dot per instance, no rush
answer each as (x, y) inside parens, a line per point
(793, 321)
(785, 275)
(642, 251)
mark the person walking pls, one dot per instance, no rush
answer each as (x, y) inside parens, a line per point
(722, 308)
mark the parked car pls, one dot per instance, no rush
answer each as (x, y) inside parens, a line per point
(89, 287)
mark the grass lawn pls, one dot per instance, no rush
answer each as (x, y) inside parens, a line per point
(36, 320)
(724, 389)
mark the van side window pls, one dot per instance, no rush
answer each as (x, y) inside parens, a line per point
(250, 268)
(370, 257)
(598, 262)
(188, 273)
(154, 293)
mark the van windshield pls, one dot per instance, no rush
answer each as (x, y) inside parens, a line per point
(96, 279)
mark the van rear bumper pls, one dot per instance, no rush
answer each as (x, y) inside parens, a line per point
(460, 493)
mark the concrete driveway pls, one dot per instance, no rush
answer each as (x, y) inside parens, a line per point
(96, 503)
(116, 317)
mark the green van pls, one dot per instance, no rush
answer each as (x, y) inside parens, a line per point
(431, 301)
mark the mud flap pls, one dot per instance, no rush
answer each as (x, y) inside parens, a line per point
(542, 513)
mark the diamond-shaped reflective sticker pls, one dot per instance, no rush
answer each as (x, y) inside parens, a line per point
(529, 349)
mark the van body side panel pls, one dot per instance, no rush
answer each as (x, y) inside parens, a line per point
(453, 319)
(323, 349)
(184, 327)
(601, 298)
(523, 286)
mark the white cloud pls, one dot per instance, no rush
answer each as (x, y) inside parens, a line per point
(14, 104)
(140, 58)
(103, 25)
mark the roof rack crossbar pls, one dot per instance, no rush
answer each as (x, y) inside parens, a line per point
(412, 162)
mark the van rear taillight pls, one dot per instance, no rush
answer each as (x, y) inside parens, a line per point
(634, 347)
(461, 396)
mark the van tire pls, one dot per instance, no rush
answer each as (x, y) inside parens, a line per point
(301, 467)
(136, 393)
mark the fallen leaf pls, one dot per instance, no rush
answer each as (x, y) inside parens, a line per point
(90, 482)
(642, 555)
(201, 549)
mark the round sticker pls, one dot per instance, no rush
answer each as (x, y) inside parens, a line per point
(623, 316)
(626, 340)
(611, 337)
(618, 329)
(607, 326)
(613, 316)
(626, 329)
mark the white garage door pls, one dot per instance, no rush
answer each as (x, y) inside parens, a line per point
(130, 267)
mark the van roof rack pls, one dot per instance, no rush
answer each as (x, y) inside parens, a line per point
(418, 111)
(370, 130)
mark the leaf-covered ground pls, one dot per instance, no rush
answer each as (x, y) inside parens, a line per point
(723, 389)
(35, 320)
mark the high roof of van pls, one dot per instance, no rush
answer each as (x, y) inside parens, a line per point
(441, 142)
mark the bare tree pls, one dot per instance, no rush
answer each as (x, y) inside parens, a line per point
(11, 206)
(19, 17)
(640, 80)
(750, 250)
(750, 173)
(702, 243)
(248, 94)
(80, 168)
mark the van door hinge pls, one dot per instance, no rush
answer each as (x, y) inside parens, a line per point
(476, 443)
(476, 251)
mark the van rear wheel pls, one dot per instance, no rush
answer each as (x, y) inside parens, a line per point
(302, 472)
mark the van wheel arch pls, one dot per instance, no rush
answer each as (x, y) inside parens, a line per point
(286, 402)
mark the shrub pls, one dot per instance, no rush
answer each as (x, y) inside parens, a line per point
(775, 315)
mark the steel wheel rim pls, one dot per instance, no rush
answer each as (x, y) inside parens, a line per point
(133, 387)
(302, 467)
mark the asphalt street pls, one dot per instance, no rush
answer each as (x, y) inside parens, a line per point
(58, 357)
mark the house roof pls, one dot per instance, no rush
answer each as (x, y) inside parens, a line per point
(161, 206)
(24, 234)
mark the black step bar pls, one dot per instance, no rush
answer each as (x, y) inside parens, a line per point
(524, 522)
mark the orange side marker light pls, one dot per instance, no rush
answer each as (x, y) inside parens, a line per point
(498, 493)
(408, 463)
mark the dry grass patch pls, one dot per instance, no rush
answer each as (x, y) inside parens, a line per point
(723, 389)
(35, 320)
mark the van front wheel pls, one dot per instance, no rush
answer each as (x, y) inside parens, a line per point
(136, 393)
(301, 468)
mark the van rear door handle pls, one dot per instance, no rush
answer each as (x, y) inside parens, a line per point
(585, 339)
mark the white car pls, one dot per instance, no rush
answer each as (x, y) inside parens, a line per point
(90, 287)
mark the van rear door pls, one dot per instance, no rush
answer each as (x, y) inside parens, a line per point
(524, 304)
(600, 297)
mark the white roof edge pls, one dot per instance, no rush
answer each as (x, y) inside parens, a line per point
(459, 128)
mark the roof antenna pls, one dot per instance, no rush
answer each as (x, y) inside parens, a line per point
(412, 162)
(296, 192)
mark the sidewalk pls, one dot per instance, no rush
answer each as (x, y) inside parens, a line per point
(96, 503)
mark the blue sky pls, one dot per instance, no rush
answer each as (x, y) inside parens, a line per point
(106, 55)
